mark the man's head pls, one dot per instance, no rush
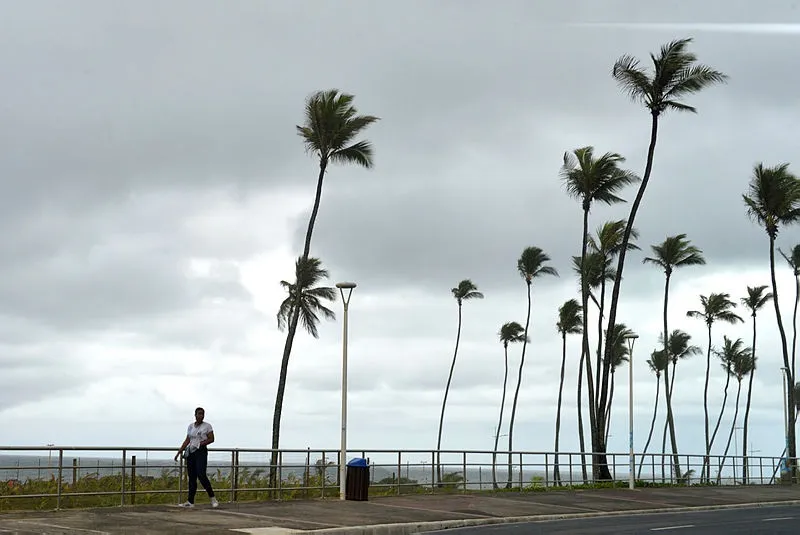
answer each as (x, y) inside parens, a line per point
(199, 414)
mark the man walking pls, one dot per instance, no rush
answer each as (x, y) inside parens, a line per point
(198, 436)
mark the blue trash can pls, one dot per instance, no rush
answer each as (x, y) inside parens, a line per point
(356, 484)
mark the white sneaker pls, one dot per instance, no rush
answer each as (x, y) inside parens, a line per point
(187, 504)
(214, 502)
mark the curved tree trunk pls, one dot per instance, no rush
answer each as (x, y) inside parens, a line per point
(291, 331)
(719, 418)
(652, 426)
(791, 445)
(516, 391)
(594, 412)
(612, 311)
(676, 467)
(794, 323)
(608, 408)
(500, 422)
(600, 307)
(704, 477)
(730, 436)
(581, 440)
(745, 474)
(556, 471)
(444, 401)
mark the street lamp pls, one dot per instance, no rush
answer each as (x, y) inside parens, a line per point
(343, 453)
(631, 338)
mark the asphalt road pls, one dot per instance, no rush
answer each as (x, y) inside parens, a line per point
(772, 520)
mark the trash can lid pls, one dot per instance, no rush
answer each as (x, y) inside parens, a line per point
(358, 461)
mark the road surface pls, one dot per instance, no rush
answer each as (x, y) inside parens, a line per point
(773, 520)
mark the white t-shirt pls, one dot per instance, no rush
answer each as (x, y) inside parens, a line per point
(197, 434)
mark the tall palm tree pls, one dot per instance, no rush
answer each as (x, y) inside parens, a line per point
(755, 300)
(793, 259)
(658, 363)
(619, 337)
(465, 291)
(715, 307)
(674, 252)
(329, 132)
(530, 265)
(773, 201)
(510, 333)
(676, 74)
(729, 350)
(605, 247)
(569, 322)
(739, 362)
(591, 179)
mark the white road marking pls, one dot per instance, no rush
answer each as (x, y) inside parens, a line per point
(665, 528)
(777, 518)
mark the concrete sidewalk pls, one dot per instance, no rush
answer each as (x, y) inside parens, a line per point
(388, 515)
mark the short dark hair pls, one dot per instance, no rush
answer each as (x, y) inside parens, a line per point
(201, 409)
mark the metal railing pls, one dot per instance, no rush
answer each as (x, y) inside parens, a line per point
(58, 477)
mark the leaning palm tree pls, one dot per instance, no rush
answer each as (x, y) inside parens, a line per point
(793, 259)
(739, 362)
(510, 333)
(619, 337)
(530, 265)
(308, 273)
(465, 291)
(674, 252)
(329, 132)
(569, 322)
(755, 300)
(726, 355)
(591, 179)
(715, 307)
(773, 201)
(658, 363)
(676, 74)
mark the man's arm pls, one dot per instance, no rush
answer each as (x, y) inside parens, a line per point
(209, 439)
(182, 447)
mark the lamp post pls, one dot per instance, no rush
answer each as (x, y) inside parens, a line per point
(343, 453)
(784, 463)
(631, 338)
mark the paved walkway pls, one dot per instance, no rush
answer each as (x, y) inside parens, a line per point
(385, 515)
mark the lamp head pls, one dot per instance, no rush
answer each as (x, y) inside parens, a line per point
(345, 285)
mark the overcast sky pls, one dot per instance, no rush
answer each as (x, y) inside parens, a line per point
(155, 192)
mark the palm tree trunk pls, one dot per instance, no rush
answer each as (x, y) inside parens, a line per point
(444, 401)
(556, 471)
(670, 421)
(730, 436)
(581, 440)
(747, 406)
(652, 426)
(595, 418)
(791, 447)
(500, 422)
(600, 307)
(794, 323)
(612, 312)
(707, 460)
(608, 408)
(291, 331)
(719, 418)
(516, 391)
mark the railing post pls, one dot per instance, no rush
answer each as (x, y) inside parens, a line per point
(233, 476)
(307, 473)
(464, 468)
(122, 490)
(180, 479)
(280, 473)
(133, 479)
(520, 471)
(433, 472)
(324, 474)
(60, 474)
(546, 472)
(74, 471)
(399, 470)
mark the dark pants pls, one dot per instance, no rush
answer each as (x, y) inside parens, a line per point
(196, 464)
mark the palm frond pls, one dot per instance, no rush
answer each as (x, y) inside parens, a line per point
(570, 318)
(532, 264)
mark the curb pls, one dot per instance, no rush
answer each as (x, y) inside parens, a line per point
(420, 527)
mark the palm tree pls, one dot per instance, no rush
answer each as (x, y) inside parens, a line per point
(618, 336)
(331, 126)
(658, 363)
(590, 179)
(308, 272)
(605, 247)
(773, 200)
(510, 333)
(530, 265)
(755, 300)
(737, 361)
(793, 259)
(675, 75)
(715, 307)
(569, 322)
(674, 252)
(465, 291)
